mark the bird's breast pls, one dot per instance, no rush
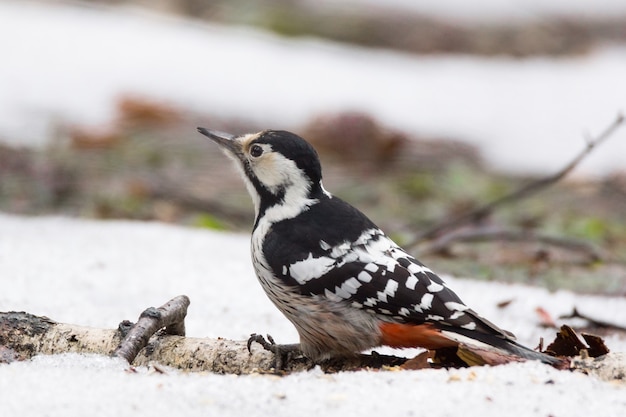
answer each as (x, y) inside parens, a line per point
(279, 293)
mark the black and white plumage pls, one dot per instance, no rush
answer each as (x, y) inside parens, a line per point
(332, 272)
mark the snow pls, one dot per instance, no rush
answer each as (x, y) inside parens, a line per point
(98, 273)
(64, 64)
(99, 386)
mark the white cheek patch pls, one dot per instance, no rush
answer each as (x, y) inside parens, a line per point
(264, 169)
(275, 172)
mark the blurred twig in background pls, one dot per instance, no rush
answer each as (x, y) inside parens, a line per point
(480, 213)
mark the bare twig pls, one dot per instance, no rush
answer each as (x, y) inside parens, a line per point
(170, 316)
(531, 188)
(593, 322)
(489, 234)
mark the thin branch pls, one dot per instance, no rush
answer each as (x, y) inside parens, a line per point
(523, 192)
(170, 316)
(498, 234)
(593, 322)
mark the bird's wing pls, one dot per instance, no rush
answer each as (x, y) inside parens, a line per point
(373, 273)
(335, 251)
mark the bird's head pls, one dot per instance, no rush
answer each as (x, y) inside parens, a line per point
(279, 167)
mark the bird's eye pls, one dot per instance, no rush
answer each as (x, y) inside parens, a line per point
(256, 151)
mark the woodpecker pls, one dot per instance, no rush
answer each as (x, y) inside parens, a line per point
(344, 284)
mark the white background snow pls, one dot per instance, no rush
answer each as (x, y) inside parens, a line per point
(68, 64)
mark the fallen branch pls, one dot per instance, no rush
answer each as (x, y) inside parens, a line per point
(533, 187)
(24, 335)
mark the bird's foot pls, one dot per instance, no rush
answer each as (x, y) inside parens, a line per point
(282, 353)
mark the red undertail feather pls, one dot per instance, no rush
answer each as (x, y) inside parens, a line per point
(402, 335)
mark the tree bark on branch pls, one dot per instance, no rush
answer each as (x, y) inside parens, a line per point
(23, 335)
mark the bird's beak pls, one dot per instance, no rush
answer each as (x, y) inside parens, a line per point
(225, 140)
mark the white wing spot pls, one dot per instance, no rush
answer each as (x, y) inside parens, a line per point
(418, 269)
(310, 268)
(370, 302)
(426, 302)
(331, 295)
(324, 245)
(364, 276)
(434, 287)
(371, 267)
(469, 326)
(342, 293)
(434, 317)
(415, 268)
(366, 236)
(404, 311)
(454, 306)
(350, 257)
(351, 285)
(411, 282)
(364, 256)
(340, 250)
(382, 296)
(391, 287)
(456, 315)
(379, 246)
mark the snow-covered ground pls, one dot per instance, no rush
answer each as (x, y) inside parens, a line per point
(68, 64)
(97, 273)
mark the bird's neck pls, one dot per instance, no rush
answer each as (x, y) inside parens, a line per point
(287, 202)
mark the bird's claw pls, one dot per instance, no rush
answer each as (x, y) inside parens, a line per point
(258, 338)
(282, 353)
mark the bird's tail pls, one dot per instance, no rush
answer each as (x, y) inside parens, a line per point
(530, 354)
(479, 341)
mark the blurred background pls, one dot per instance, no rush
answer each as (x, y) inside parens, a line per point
(421, 111)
